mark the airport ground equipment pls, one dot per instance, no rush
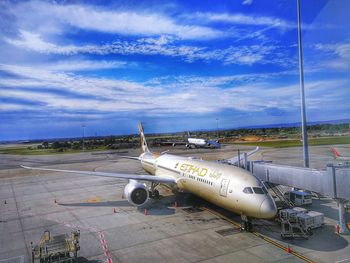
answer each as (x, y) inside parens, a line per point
(347, 207)
(56, 249)
(299, 197)
(311, 220)
(298, 222)
(290, 227)
(333, 182)
(277, 190)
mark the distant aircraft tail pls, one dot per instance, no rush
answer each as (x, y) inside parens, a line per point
(336, 153)
(143, 141)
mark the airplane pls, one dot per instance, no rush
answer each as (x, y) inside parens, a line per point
(340, 157)
(227, 186)
(197, 143)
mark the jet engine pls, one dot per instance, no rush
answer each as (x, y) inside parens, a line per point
(174, 144)
(187, 145)
(136, 193)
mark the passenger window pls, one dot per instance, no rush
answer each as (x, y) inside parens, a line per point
(247, 190)
(258, 190)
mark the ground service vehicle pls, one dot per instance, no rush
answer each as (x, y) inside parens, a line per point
(299, 197)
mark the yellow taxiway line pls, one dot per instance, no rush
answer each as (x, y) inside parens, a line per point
(269, 240)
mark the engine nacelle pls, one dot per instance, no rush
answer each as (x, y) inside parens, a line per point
(174, 144)
(188, 146)
(136, 193)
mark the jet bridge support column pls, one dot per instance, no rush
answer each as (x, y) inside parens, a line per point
(343, 229)
(246, 161)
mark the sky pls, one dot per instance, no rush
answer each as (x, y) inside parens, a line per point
(174, 65)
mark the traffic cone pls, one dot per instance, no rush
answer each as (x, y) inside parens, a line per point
(145, 212)
(337, 229)
(288, 249)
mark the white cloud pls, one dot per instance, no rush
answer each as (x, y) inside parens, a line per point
(340, 49)
(243, 55)
(337, 56)
(84, 65)
(242, 19)
(14, 107)
(34, 77)
(33, 41)
(180, 95)
(247, 2)
(87, 17)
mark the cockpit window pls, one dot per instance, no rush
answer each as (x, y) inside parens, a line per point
(265, 190)
(248, 190)
(258, 190)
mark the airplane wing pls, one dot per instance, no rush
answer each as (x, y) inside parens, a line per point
(234, 160)
(130, 157)
(150, 178)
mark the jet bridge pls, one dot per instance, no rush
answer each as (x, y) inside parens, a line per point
(333, 182)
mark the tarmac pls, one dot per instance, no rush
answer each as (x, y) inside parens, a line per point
(177, 228)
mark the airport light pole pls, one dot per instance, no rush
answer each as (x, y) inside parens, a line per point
(83, 126)
(302, 93)
(217, 128)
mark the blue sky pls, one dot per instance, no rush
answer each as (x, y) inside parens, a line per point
(175, 65)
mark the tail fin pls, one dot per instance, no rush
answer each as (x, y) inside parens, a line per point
(143, 141)
(336, 153)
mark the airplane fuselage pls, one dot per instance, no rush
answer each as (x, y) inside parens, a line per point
(230, 187)
(203, 143)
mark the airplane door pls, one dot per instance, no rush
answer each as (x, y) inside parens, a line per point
(224, 186)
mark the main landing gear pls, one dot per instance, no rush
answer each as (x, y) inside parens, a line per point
(246, 224)
(154, 193)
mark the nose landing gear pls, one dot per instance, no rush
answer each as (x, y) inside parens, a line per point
(246, 224)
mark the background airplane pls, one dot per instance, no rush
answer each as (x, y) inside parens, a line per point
(227, 186)
(193, 142)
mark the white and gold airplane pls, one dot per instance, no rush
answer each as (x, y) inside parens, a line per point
(227, 186)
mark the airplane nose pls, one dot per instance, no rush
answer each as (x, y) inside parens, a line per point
(268, 209)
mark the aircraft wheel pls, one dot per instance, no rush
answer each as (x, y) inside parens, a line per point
(249, 226)
(155, 194)
(243, 226)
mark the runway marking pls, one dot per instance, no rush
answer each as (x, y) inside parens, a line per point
(102, 239)
(269, 240)
(21, 259)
